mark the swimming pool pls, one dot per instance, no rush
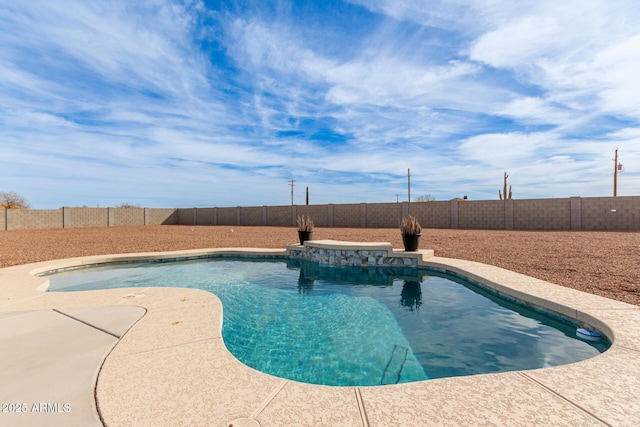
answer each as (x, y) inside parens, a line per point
(357, 325)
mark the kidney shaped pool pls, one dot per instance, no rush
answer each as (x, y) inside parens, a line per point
(356, 326)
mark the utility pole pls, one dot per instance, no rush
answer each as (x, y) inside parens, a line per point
(615, 175)
(409, 185)
(307, 196)
(291, 183)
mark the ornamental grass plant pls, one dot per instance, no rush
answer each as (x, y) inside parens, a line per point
(305, 223)
(410, 226)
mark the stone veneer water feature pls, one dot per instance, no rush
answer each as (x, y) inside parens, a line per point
(331, 252)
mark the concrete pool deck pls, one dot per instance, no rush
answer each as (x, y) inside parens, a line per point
(171, 366)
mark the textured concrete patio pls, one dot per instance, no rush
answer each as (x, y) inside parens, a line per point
(172, 368)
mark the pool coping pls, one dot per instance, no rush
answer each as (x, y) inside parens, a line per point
(161, 371)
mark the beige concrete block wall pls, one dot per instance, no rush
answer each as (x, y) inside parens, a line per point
(126, 217)
(487, 214)
(252, 216)
(627, 212)
(592, 213)
(347, 215)
(542, 214)
(434, 214)
(576, 213)
(186, 216)
(318, 213)
(281, 216)
(383, 215)
(609, 213)
(508, 214)
(86, 217)
(205, 216)
(159, 216)
(227, 216)
(31, 219)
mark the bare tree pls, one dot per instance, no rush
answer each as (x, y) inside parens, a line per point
(12, 200)
(425, 198)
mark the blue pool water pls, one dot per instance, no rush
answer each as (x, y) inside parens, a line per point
(353, 325)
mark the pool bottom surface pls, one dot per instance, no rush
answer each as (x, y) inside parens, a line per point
(357, 326)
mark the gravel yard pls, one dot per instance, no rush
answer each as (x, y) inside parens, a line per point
(602, 263)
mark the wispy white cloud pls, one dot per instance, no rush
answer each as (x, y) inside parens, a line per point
(532, 110)
(165, 101)
(504, 150)
(615, 67)
(457, 16)
(580, 54)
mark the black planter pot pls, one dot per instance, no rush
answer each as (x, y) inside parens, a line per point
(411, 242)
(304, 236)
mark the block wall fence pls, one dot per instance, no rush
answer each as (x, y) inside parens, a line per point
(574, 213)
(30, 219)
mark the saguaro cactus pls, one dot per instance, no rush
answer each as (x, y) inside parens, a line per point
(504, 189)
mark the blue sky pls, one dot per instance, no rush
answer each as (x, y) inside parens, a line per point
(220, 103)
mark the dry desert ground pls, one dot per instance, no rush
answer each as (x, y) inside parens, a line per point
(602, 263)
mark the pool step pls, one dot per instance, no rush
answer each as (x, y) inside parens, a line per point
(393, 368)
